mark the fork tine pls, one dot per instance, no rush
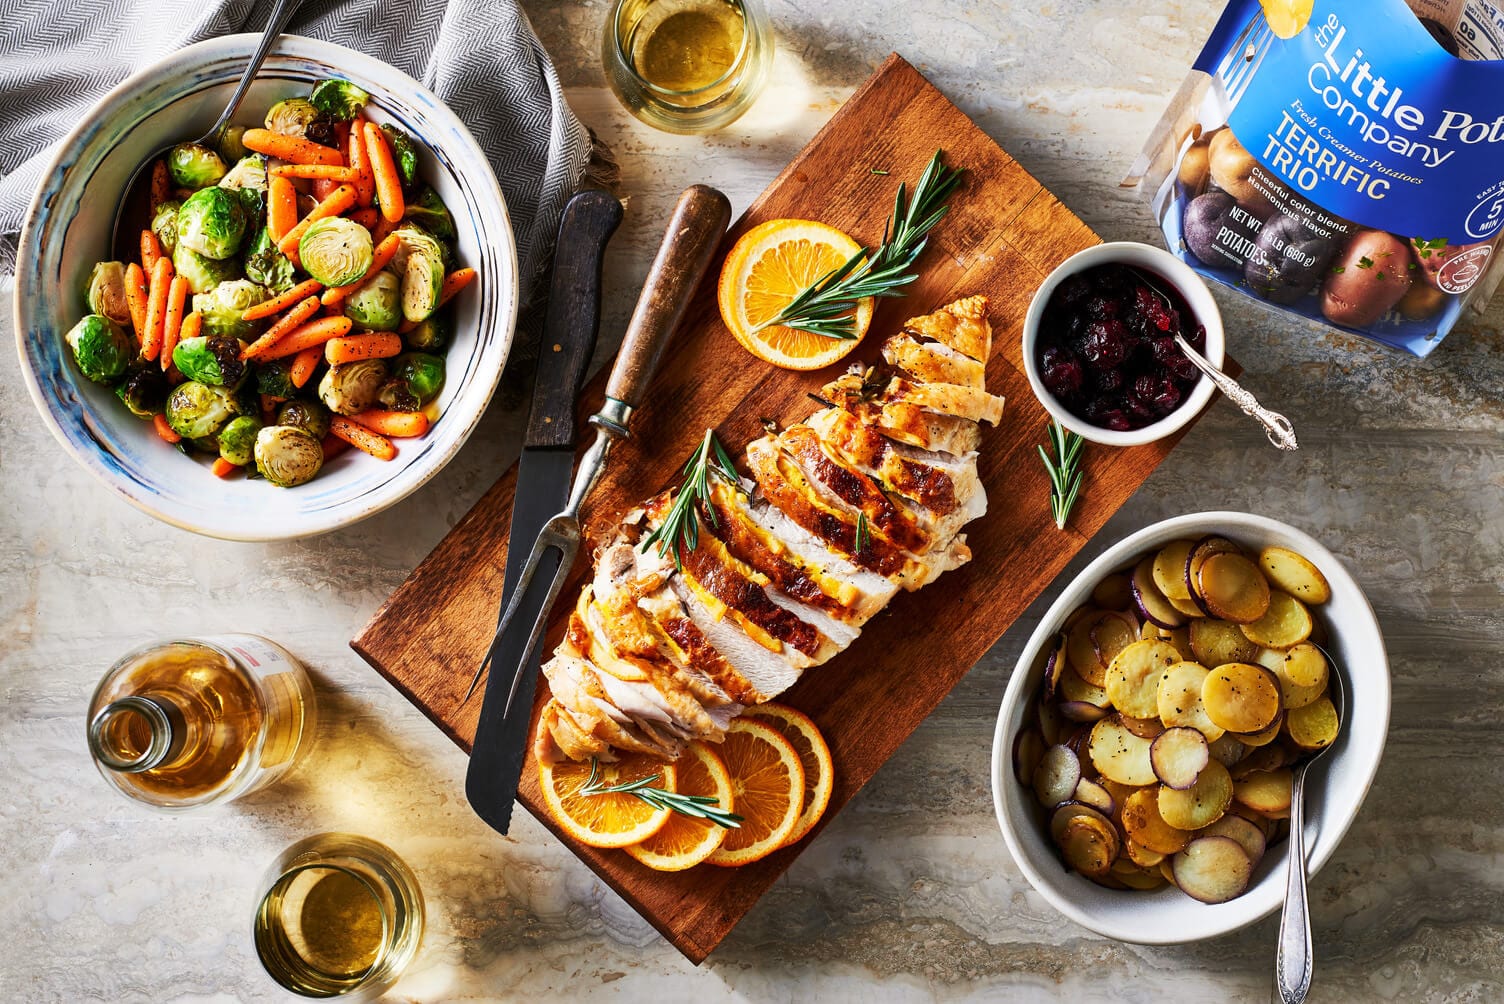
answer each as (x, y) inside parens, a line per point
(1252, 58)
(539, 623)
(1235, 50)
(535, 556)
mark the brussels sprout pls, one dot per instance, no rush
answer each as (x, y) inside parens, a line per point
(404, 155)
(247, 179)
(310, 416)
(416, 379)
(426, 209)
(377, 304)
(336, 251)
(194, 166)
(433, 334)
(144, 389)
(287, 455)
(292, 117)
(268, 266)
(203, 274)
(237, 440)
(212, 222)
(197, 411)
(232, 144)
(274, 379)
(420, 262)
(107, 292)
(102, 349)
(164, 223)
(352, 387)
(202, 444)
(222, 306)
(211, 360)
(338, 99)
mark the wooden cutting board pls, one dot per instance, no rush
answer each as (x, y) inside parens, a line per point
(1003, 234)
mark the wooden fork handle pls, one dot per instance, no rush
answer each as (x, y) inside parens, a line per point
(693, 234)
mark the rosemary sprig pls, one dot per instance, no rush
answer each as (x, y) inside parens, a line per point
(1065, 473)
(681, 527)
(697, 806)
(827, 307)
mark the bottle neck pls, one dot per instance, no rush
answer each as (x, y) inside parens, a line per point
(134, 734)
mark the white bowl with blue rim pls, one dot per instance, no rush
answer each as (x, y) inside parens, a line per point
(68, 229)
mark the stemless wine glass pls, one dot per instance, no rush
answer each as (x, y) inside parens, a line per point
(342, 916)
(687, 66)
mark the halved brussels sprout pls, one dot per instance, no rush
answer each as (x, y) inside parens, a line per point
(416, 379)
(292, 117)
(237, 440)
(144, 389)
(165, 225)
(197, 411)
(203, 274)
(269, 266)
(232, 144)
(353, 387)
(213, 361)
(102, 349)
(428, 211)
(248, 180)
(192, 165)
(420, 262)
(274, 379)
(336, 251)
(432, 334)
(287, 455)
(107, 292)
(377, 304)
(404, 155)
(212, 222)
(310, 416)
(222, 307)
(339, 99)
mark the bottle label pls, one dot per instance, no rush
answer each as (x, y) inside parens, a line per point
(284, 686)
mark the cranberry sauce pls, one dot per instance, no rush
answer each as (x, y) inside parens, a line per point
(1106, 348)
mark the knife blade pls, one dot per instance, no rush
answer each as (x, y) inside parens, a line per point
(501, 734)
(574, 311)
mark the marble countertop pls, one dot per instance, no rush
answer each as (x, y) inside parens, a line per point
(910, 893)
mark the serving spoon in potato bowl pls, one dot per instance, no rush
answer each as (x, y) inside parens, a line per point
(138, 190)
(1292, 972)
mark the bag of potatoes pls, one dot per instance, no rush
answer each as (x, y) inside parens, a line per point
(1343, 159)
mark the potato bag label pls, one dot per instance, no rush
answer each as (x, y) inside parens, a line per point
(1342, 159)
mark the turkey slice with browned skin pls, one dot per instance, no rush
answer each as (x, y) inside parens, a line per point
(961, 325)
(573, 684)
(932, 362)
(904, 421)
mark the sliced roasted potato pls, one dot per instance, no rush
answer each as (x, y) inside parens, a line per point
(1073, 688)
(1241, 697)
(1133, 678)
(1149, 600)
(1178, 756)
(1134, 877)
(1141, 855)
(1190, 608)
(1179, 699)
(1147, 828)
(1113, 632)
(1169, 569)
(1082, 648)
(1052, 726)
(1203, 549)
(1305, 666)
(1213, 869)
(1215, 642)
(1248, 835)
(1228, 749)
(1202, 804)
(1089, 845)
(1267, 792)
(1167, 869)
(1028, 750)
(1144, 728)
(1068, 811)
(1295, 575)
(1056, 777)
(1082, 711)
(1271, 756)
(1287, 622)
(1232, 588)
(1055, 665)
(1313, 726)
(1113, 592)
(1091, 793)
(1119, 755)
(1266, 735)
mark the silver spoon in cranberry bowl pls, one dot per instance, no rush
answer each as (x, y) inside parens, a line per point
(1276, 426)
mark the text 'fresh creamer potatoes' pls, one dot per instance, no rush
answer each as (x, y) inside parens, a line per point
(1342, 159)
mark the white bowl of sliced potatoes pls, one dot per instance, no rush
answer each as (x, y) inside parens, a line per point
(1141, 765)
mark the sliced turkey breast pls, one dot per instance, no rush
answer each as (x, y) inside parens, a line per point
(961, 325)
(932, 362)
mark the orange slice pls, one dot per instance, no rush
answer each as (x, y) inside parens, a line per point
(814, 756)
(685, 841)
(606, 820)
(767, 781)
(772, 264)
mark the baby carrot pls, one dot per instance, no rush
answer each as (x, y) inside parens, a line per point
(168, 434)
(315, 172)
(280, 302)
(304, 363)
(453, 283)
(395, 424)
(224, 469)
(365, 184)
(135, 298)
(362, 438)
(192, 325)
(172, 320)
(296, 149)
(380, 258)
(156, 308)
(384, 169)
(281, 207)
(372, 345)
(366, 217)
(384, 228)
(289, 322)
(339, 200)
(161, 185)
(151, 250)
(333, 446)
(313, 334)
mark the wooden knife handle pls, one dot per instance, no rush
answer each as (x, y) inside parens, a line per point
(574, 314)
(693, 234)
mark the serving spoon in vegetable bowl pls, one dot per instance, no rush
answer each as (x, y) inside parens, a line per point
(137, 190)
(1292, 972)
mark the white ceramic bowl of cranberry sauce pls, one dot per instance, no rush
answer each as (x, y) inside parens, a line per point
(1098, 352)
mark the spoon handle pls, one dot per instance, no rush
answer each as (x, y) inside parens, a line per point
(282, 12)
(1292, 974)
(1276, 426)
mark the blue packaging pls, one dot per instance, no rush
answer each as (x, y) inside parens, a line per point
(1344, 164)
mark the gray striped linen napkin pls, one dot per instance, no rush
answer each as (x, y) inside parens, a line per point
(57, 57)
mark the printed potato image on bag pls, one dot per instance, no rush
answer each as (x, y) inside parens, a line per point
(1342, 159)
